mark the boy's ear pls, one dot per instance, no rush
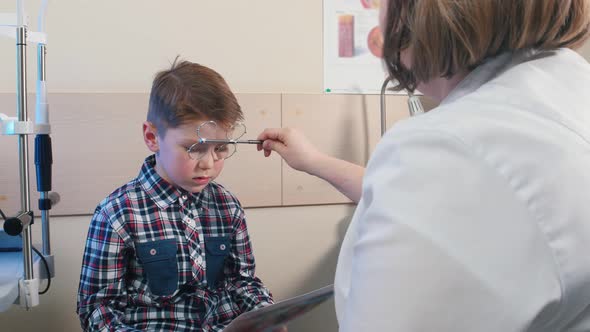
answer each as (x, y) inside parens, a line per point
(150, 136)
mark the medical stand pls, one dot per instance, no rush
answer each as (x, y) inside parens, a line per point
(23, 127)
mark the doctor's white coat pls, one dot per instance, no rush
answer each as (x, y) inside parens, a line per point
(476, 215)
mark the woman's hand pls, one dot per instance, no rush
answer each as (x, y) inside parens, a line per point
(301, 155)
(292, 146)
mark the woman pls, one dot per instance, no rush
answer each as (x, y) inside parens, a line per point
(474, 216)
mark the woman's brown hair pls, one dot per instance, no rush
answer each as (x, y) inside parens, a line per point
(449, 36)
(191, 92)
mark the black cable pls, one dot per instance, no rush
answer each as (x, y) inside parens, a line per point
(2, 214)
(46, 269)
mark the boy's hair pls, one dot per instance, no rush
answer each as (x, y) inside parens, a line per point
(191, 92)
(449, 36)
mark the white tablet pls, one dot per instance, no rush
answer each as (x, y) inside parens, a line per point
(280, 313)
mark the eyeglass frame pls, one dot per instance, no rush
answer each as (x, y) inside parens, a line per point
(220, 142)
(215, 158)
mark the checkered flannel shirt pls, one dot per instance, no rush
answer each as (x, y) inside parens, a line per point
(145, 264)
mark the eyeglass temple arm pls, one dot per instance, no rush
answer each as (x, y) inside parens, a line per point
(229, 141)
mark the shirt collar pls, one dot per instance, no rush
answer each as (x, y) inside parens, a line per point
(161, 191)
(487, 71)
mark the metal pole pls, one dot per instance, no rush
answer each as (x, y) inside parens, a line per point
(45, 227)
(383, 110)
(41, 52)
(44, 195)
(23, 144)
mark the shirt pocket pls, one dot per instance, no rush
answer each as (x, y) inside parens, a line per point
(217, 248)
(159, 263)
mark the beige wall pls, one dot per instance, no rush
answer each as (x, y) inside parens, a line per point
(261, 47)
(296, 243)
(585, 51)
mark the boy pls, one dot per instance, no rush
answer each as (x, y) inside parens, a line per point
(169, 251)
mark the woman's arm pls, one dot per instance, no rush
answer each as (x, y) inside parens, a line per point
(301, 155)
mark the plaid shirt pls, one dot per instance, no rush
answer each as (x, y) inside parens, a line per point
(160, 258)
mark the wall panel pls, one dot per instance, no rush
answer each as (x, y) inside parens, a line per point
(98, 146)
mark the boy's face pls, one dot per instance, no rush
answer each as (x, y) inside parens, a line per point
(173, 163)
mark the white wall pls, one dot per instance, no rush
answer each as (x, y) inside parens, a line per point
(116, 46)
(260, 46)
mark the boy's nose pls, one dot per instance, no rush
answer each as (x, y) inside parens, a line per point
(206, 161)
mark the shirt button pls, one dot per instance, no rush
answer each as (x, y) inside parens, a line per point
(222, 247)
(153, 252)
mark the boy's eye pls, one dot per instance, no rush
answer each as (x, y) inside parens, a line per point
(200, 148)
(221, 148)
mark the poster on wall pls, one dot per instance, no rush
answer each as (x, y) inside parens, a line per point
(352, 47)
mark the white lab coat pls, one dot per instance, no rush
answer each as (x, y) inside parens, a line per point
(476, 216)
